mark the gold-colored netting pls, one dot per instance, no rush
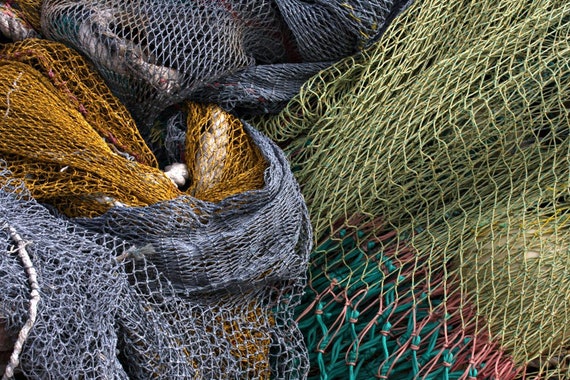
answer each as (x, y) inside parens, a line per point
(250, 343)
(61, 158)
(222, 159)
(30, 11)
(454, 132)
(84, 91)
(77, 147)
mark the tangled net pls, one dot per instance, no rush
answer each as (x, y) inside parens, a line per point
(435, 169)
(178, 283)
(249, 56)
(435, 166)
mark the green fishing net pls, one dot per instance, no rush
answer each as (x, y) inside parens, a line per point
(435, 166)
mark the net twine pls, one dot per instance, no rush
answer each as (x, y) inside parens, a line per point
(198, 289)
(452, 130)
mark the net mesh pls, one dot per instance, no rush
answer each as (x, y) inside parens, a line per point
(14, 24)
(434, 163)
(105, 317)
(435, 169)
(199, 281)
(246, 55)
(75, 274)
(85, 153)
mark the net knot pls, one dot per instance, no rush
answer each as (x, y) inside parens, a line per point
(415, 344)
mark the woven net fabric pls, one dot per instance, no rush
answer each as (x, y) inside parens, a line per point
(78, 148)
(74, 333)
(199, 281)
(246, 55)
(435, 168)
(243, 258)
(109, 312)
(57, 142)
(14, 24)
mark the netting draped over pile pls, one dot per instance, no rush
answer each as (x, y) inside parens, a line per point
(435, 166)
(246, 55)
(202, 246)
(198, 282)
(102, 318)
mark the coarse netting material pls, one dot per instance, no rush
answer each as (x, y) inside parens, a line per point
(14, 24)
(244, 55)
(435, 166)
(197, 282)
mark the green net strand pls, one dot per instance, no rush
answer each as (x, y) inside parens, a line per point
(363, 318)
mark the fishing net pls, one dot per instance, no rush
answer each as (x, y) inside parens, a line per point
(142, 278)
(103, 317)
(83, 156)
(75, 274)
(250, 56)
(435, 167)
(14, 24)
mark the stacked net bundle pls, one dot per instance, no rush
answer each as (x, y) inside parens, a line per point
(242, 257)
(435, 169)
(258, 237)
(207, 266)
(244, 55)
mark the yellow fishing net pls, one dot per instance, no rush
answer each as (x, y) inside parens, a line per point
(222, 159)
(77, 147)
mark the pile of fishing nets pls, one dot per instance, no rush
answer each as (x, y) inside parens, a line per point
(135, 277)
(146, 231)
(435, 166)
(434, 161)
(106, 316)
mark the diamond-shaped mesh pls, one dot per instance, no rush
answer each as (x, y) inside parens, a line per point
(141, 279)
(435, 166)
(245, 55)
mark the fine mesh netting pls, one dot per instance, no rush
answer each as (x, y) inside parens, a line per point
(199, 281)
(435, 166)
(243, 55)
(101, 317)
(86, 154)
(75, 274)
(14, 23)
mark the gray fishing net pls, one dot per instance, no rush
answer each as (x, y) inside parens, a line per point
(80, 287)
(189, 238)
(182, 289)
(245, 55)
